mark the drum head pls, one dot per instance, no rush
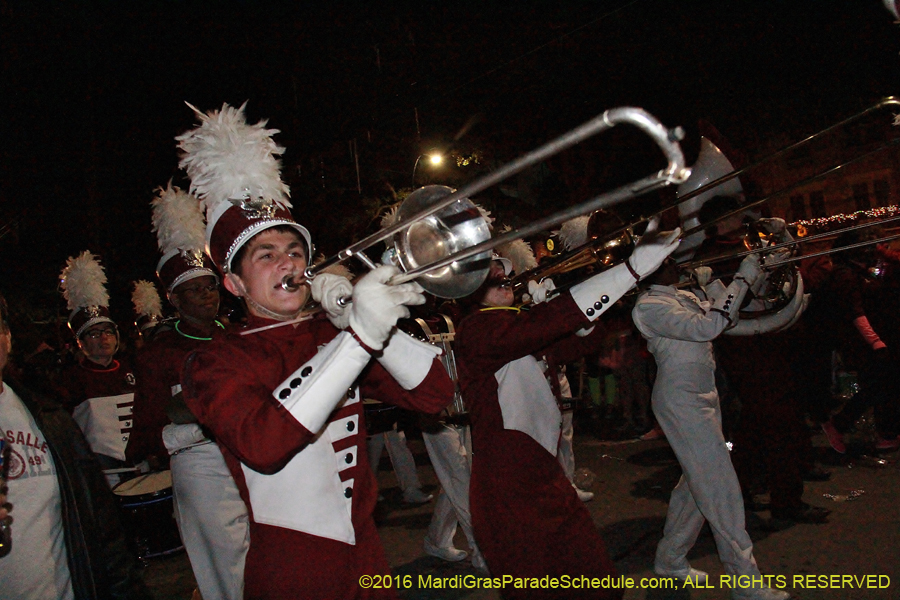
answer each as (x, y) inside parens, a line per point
(141, 485)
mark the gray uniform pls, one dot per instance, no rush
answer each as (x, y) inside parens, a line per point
(679, 328)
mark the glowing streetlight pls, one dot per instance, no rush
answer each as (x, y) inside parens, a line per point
(434, 157)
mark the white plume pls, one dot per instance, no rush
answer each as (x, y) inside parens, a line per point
(226, 158)
(83, 282)
(178, 220)
(519, 253)
(146, 299)
(574, 232)
(390, 217)
(486, 214)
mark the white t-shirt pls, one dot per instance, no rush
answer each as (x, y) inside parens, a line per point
(36, 567)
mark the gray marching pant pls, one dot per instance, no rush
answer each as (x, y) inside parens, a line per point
(448, 449)
(212, 519)
(686, 405)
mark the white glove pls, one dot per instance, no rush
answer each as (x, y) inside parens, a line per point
(377, 307)
(749, 270)
(773, 225)
(703, 275)
(327, 289)
(539, 291)
(653, 248)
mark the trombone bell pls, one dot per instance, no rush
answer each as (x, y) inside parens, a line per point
(439, 235)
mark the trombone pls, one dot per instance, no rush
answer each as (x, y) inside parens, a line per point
(580, 256)
(803, 240)
(475, 257)
(889, 101)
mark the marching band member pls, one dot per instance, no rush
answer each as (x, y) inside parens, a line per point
(212, 519)
(679, 329)
(99, 387)
(528, 520)
(284, 400)
(448, 442)
(772, 446)
(147, 310)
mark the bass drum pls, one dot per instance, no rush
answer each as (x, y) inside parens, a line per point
(148, 514)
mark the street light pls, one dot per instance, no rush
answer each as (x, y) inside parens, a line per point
(434, 158)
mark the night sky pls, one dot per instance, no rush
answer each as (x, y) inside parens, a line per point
(92, 95)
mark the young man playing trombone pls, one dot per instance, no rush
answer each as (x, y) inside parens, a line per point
(283, 396)
(528, 519)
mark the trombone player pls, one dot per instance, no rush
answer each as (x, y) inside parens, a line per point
(283, 398)
(519, 492)
(679, 328)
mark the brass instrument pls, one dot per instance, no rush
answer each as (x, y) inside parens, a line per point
(599, 253)
(718, 184)
(432, 254)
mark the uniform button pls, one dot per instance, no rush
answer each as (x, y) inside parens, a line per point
(590, 312)
(284, 393)
(306, 371)
(351, 394)
(604, 299)
(295, 382)
(598, 305)
(348, 492)
(348, 458)
(731, 296)
(351, 425)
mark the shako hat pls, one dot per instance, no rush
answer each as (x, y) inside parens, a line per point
(180, 230)
(83, 285)
(234, 170)
(147, 305)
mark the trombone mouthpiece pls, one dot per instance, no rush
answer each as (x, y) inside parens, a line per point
(292, 283)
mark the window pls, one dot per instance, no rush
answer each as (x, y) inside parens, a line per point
(882, 189)
(798, 208)
(817, 204)
(861, 196)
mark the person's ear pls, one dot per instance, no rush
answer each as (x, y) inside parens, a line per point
(234, 285)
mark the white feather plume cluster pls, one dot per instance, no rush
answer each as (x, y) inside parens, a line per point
(83, 282)
(227, 158)
(574, 232)
(178, 220)
(485, 214)
(519, 253)
(390, 217)
(146, 299)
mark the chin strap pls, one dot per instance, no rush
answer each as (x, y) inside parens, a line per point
(262, 310)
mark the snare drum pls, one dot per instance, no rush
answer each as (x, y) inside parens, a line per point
(148, 514)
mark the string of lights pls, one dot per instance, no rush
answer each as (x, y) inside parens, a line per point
(879, 212)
